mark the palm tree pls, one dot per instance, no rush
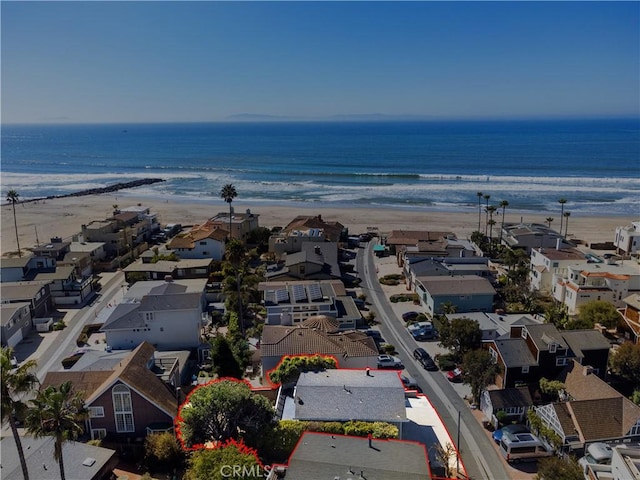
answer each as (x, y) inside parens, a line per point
(490, 209)
(549, 220)
(228, 193)
(504, 204)
(235, 251)
(492, 222)
(12, 197)
(479, 194)
(486, 197)
(57, 412)
(562, 201)
(16, 383)
(566, 215)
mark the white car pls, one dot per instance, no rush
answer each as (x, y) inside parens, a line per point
(387, 361)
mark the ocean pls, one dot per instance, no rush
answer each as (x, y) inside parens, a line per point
(418, 165)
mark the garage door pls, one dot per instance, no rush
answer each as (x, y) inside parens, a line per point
(15, 339)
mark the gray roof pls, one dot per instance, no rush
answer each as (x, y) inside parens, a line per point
(342, 395)
(458, 285)
(15, 262)
(128, 314)
(544, 334)
(320, 456)
(514, 352)
(583, 340)
(39, 454)
(160, 287)
(510, 397)
(8, 310)
(61, 273)
(21, 290)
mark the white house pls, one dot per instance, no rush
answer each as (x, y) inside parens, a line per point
(607, 281)
(168, 314)
(627, 238)
(547, 261)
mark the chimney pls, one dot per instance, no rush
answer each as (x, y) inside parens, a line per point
(587, 370)
(168, 278)
(317, 249)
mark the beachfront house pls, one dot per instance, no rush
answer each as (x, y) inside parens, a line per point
(128, 394)
(25, 268)
(202, 241)
(631, 316)
(317, 335)
(168, 314)
(527, 236)
(467, 293)
(609, 281)
(293, 302)
(627, 239)
(241, 223)
(545, 262)
(321, 456)
(423, 243)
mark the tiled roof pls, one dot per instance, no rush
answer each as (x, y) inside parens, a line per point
(332, 230)
(585, 387)
(544, 334)
(564, 417)
(604, 418)
(197, 234)
(633, 300)
(280, 340)
(322, 322)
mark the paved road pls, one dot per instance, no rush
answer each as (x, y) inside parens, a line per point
(478, 455)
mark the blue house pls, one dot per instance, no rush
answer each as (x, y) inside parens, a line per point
(467, 293)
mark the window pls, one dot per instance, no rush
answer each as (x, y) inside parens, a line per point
(148, 316)
(553, 347)
(561, 361)
(122, 408)
(98, 433)
(525, 369)
(203, 243)
(524, 333)
(96, 412)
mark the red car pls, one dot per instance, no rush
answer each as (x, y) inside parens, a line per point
(455, 375)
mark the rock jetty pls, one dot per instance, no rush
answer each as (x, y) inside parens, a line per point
(108, 189)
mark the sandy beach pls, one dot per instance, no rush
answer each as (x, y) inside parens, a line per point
(63, 217)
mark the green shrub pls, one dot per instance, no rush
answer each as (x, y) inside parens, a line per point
(58, 326)
(446, 362)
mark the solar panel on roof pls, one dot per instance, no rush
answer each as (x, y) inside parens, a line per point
(299, 293)
(282, 295)
(314, 292)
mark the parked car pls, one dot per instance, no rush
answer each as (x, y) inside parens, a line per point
(407, 316)
(514, 428)
(455, 375)
(597, 453)
(422, 331)
(387, 361)
(408, 381)
(423, 357)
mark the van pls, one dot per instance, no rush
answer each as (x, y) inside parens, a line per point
(597, 453)
(517, 447)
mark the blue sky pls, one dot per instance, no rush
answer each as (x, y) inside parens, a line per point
(206, 61)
